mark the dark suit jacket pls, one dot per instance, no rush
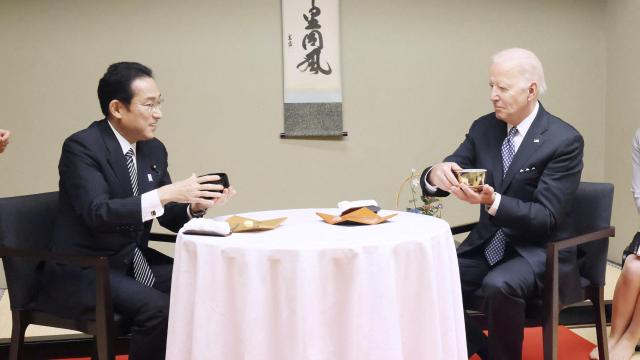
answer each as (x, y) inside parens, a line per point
(537, 190)
(98, 214)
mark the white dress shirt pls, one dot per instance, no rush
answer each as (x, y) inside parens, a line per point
(523, 127)
(150, 201)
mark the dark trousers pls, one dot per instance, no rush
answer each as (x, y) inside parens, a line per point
(504, 286)
(147, 307)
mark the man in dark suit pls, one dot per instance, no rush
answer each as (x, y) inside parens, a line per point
(534, 163)
(114, 181)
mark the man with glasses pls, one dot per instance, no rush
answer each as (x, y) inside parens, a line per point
(114, 181)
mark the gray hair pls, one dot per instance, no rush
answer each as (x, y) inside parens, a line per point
(527, 63)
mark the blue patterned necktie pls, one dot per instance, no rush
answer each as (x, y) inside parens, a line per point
(141, 270)
(495, 249)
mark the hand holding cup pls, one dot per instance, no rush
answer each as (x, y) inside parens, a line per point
(473, 178)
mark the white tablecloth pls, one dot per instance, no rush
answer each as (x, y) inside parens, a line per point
(309, 290)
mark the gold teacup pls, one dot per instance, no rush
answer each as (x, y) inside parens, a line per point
(474, 178)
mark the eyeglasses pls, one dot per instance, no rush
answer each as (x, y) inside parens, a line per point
(152, 107)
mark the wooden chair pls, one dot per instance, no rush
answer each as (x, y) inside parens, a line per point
(26, 229)
(586, 227)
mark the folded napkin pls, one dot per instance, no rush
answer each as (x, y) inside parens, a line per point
(243, 224)
(346, 207)
(363, 215)
(202, 226)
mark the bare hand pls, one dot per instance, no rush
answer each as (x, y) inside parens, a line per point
(465, 193)
(4, 139)
(227, 194)
(192, 190)
(442, 176)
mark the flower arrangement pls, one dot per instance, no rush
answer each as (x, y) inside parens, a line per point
(427, 205)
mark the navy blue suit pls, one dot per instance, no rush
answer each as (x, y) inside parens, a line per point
(537, 193)
(99, 215)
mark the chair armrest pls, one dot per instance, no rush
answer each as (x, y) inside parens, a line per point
(171, 238)
(551, 281)
(583, 238)
(104, 306)
(39, 255)
(459, 229)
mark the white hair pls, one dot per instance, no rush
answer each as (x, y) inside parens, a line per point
(527, 63)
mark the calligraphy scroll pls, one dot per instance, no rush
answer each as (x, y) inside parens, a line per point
(312, 84)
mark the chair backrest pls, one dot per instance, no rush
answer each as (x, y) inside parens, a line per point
(591, 211)
(26, 222)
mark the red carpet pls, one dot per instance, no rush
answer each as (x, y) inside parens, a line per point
(570, 345)
(118, 357)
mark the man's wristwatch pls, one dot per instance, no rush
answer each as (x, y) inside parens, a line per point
(198, 214)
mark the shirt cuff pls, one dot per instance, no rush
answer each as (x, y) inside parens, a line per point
(494, 207)
(151, 205)
(429, 187)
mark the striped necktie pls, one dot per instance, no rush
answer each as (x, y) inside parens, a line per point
(141, 270)
(496, 247)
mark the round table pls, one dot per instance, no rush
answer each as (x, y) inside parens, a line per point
(310, 290)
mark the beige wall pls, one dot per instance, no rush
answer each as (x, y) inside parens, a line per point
(414, 77)
(623, 113)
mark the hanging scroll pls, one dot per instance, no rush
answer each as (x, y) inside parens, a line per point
(312, 84)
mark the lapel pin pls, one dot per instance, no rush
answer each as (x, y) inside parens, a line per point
(536, 140)
(149, 177)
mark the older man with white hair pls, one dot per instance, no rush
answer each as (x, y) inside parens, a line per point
(533, 163)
